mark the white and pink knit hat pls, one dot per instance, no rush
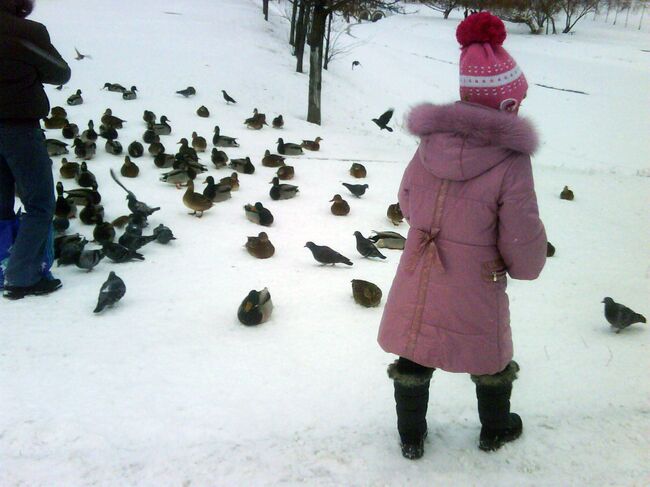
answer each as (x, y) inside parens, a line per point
(488, 74)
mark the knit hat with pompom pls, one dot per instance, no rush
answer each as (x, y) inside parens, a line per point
(488, 74)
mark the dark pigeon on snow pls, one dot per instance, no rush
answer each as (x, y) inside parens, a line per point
(366, 247)
(357, 190)
(620, 316)
(110, 293)
(229, 99)
(326, 255)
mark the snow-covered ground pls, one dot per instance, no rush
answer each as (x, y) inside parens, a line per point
(167, 388)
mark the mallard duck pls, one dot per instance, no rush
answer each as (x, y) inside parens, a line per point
(56, 147)
(85, 178)
(55, 122)
(285, 173)
(104, 232)
(178, 177)
(108, 133)
(64, 207)
(282, 191)
(75, 99)
(91, 214)
(203, 111)
(149, 117)
(219, 158)
(357, 170)
(89, 135)
(164, 161)
(186, 152)
(366, 293)
(312, 145)
(199, 143)
(114, 87)
(216, 192)
(150, 137)
(80, 196)
(242, 165)
(110, 120)
(135, 149)
(257, 121)
(129, 169)
(394, 214)
(566, 194)
(288, 148)
(156, 148)
(223, 140)
(195, 201)
(272, 160)
(162, 128)
(113, 147)
(70, 131)
(388, 240)
(232, 180)
(339, 207)
(258, 214)
(58, 112)
(60, 225)
(278, 122)
(68, 169)
(84, 150)
(260, 246)
(120, 221)
(130, 94)
(256, 308)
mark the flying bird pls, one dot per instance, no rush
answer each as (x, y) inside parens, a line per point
(383, 120)
(80, 56)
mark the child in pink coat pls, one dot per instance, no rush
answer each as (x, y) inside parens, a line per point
(469, 197)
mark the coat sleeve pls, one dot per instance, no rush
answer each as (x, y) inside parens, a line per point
(404, 189)
(522, 238)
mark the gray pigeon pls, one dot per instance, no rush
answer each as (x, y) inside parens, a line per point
(87, 259)
(366, 247)
(163, 234)
(189, 91)
(357, 190)
(111, 292)
(620, 316)
(326, 255)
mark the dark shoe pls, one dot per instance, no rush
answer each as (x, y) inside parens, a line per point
(413, 450)
(493, 439)
(44, 286)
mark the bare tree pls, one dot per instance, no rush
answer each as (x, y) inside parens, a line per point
(575, 10)
(265, 9)
(444, 6)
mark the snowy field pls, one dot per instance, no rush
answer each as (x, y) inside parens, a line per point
(168, 389)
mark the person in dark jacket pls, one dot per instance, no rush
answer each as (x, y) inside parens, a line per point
(27, 60)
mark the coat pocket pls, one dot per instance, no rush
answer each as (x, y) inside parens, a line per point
(494, 270)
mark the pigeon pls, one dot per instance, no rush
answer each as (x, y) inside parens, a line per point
(550, 249)
(69, 250)
(87, 259)
(189, 91)
(137, 207)
(163, 234)
(63, 240)
(357, 190)
(260, 246)
(80, 56)
(620, 316)
(394, 214)
(104, 232)
(135, 241)
(111, 292)
(383, 120)
(256, 308)
(119, 253)
(566, 194)
(227, 97)
(388, 240)
(326, 255)
(366, 247)
(366, 293)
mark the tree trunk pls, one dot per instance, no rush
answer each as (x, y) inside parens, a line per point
(326, 59)
(265, 9)
(445, 14)
(316, 38)
(301, 34)
(553, 22)
(292, 33)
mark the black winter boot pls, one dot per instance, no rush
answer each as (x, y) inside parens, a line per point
(411, 399)
(499, 425)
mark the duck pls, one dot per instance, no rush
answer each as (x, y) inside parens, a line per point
(358, 170)
(164, 161)
(149, 117)
(339, 207)
(75, 99)
(199, 143)
(242, 165)
(232, 180)
(156, 148)
(80, 196)
(366, 293)
(394, 214)
(64, 207)
(120, 221)
(178, 177)
(110, 120)
(107, 132)
(185, 152)
(60, 225)
(56, 147)
(566, 194)
(282, 191)
(58, 112)
(135, 149)
(85, 178)
(129, 169)
(104, 232)
(289, 149)
(216, 192)
(272, 160)
(196, 201)
(256, 308)
(203, 111)
(68, 170)
(150, 137)
(70, 130)
(258, 214)
(312, 145)
(162, 128)
(260, 246)
(89, 135)
(114, 87)
(388, 240)
(219, 158)
(285, 173)
(113, 147)
(55, 122)
(278, 122)
(257, 121)
(130, 94)
(91, 214)
(223, 140)
(84, 150)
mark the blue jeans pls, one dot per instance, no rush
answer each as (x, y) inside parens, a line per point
(26, 166)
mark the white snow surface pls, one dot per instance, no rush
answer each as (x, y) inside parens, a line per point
(167, 388)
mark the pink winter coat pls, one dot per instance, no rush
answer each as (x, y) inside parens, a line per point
(469, 197)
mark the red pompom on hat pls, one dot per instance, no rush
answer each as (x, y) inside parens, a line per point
(488, 74)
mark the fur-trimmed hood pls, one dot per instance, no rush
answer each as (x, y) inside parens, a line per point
(463, 140)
